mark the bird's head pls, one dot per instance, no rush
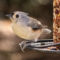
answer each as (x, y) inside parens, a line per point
(15, 16)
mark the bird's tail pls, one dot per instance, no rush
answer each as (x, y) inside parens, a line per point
(45, 33)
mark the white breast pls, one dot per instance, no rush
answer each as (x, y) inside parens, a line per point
(25, 32)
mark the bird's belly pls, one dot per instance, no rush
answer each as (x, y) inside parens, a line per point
(25, 32)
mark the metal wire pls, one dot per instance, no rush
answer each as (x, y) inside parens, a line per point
(41, 44)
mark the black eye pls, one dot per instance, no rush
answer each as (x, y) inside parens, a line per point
(17, 16)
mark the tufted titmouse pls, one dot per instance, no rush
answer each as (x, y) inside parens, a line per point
(27, 27)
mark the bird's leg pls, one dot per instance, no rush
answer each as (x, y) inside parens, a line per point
(36, 40)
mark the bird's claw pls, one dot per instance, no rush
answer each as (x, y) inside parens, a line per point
(23, 45)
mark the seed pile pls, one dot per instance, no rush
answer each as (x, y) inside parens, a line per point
(56, 21)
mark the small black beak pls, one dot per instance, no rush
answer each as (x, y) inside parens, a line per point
(9, 15)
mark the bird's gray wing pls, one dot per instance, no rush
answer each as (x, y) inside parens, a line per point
(35, 24)
(31, 22)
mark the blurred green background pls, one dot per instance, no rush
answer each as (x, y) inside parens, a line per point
(39, 9)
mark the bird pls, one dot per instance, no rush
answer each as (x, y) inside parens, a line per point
(27, 27)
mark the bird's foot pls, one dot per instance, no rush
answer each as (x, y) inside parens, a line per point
(24, 45)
